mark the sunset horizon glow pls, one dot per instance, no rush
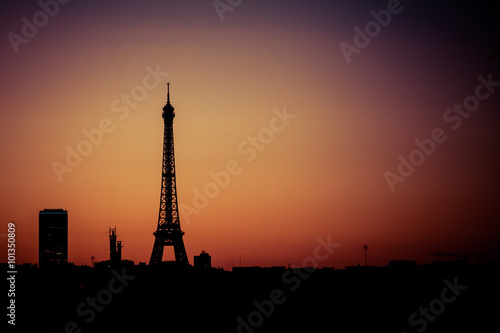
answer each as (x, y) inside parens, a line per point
(280, 138)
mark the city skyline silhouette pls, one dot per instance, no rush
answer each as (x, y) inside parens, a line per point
(370, 151)
(336, 165)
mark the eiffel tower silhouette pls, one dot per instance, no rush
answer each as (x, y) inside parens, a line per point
(168, 232)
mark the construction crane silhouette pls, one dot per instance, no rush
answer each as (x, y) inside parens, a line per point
(464, 257)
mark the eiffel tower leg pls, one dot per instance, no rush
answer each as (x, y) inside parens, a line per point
(180, 252)
(157, 254)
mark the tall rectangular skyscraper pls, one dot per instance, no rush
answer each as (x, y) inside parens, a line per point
(52, 237)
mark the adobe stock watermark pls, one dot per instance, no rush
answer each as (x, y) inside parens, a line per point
(11, 271)
(121, 107)
(223, 6)
(30, 28)
(454, 117)
(292, 280)
(89, 308)
(372, 29)
(421, 319)
(249, 149)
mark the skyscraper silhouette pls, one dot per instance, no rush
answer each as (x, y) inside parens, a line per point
(52, 237)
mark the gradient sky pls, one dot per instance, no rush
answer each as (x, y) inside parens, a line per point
(323, 174)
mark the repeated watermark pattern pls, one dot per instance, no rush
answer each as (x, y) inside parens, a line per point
(421, 319)
(249, 149)
(292, 280)
(223, 6)
(372, 29)
(89, 308)
(120, 106)
(453, 117)
(30, 28)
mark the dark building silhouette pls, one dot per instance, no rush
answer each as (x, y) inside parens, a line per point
(52, 237)
(402, 264)
(115, 253)
(203, 261)
(115, 250)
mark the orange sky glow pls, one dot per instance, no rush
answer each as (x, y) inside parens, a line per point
(268, 91)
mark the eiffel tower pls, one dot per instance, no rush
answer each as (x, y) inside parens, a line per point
(168, 231)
